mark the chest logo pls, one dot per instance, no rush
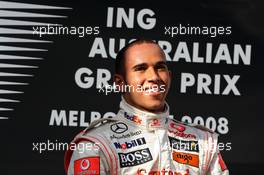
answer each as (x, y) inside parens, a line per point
(119, 127)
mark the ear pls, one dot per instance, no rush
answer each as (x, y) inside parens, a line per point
(119, 81)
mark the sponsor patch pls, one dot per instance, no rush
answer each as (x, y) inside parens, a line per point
(87, 166)
(184, 145)
(134, 158)
(163, 171)
(179, 131)
(125, 136)
(130, 144)
(119, 127)
(155, 122)
(133, 118)
(184, 158)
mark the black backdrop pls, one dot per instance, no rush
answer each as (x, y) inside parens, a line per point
(53, 104)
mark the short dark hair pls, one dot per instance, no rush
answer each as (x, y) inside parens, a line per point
(120, 58)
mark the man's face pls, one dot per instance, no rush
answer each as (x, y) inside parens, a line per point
(145, 67)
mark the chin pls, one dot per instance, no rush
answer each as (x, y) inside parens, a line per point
(154, 106)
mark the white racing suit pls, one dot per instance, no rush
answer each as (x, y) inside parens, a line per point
(142, 143)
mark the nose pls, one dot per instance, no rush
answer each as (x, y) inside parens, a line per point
(152, 75)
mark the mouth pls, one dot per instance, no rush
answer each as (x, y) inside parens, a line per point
(154, 90)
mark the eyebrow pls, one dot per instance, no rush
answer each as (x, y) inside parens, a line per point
(140, 65)
(145, 64)
(161, 63)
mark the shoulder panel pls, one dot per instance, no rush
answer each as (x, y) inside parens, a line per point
(98, 123)
(203, 128)
(200, 127)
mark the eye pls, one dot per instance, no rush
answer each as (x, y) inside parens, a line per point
(140, 68)
(161, 67)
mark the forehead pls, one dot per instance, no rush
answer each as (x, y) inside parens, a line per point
(144, 53)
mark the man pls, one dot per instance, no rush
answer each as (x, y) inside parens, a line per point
(141, 139)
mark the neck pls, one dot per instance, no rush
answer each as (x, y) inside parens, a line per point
(143, 118)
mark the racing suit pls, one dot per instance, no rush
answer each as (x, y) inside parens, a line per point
(140, 143)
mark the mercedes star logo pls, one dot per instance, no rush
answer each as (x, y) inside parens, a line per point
(119, 127)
